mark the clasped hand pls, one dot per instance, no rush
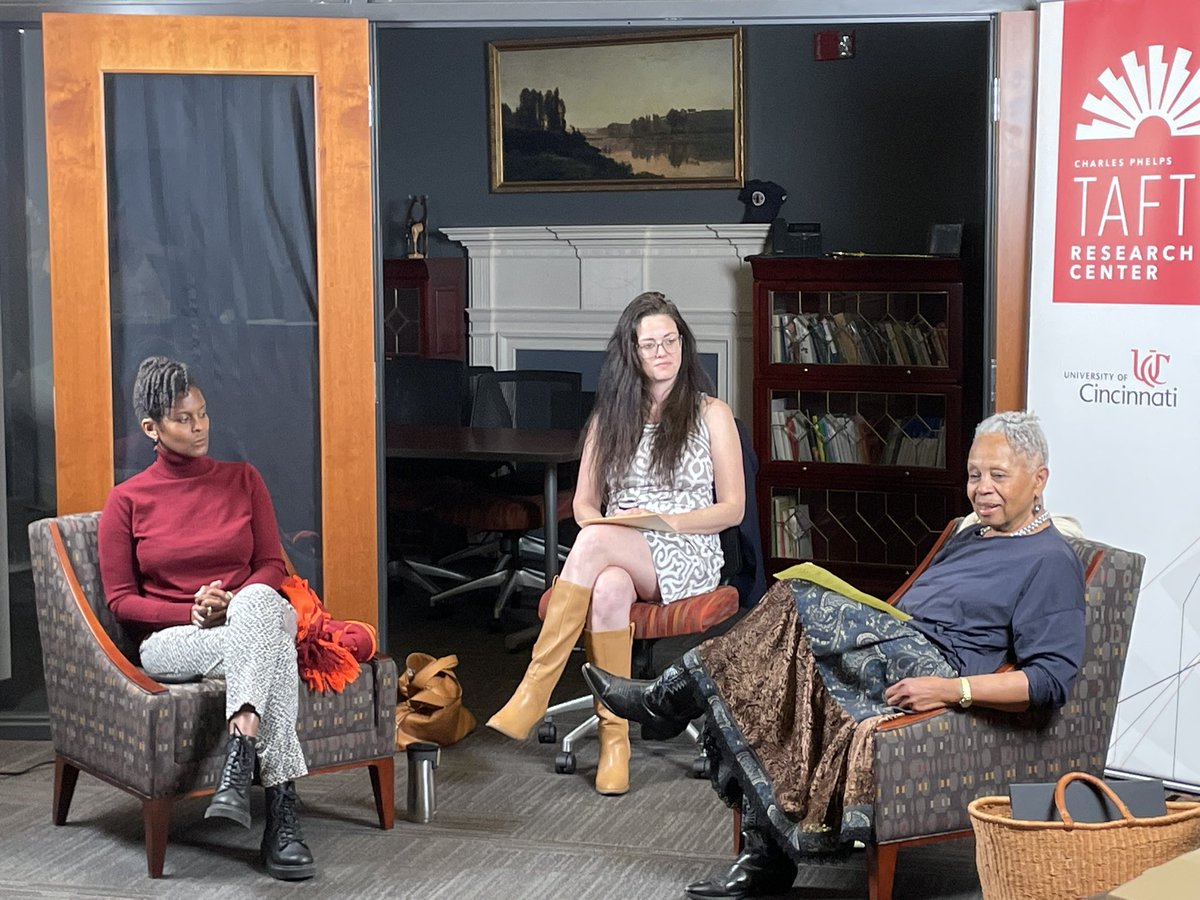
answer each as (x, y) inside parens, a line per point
(210, 605)
(922, 694)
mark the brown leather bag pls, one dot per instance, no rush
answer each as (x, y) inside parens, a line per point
(430, 706)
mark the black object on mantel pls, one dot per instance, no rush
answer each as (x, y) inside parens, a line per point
(763, 200)
(795, 238)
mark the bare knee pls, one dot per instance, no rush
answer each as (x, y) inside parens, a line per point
(595, 549)
(590, 540)
(612, 596)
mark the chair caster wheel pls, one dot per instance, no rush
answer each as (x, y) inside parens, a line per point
(701, 767)
(547, 733)
(564, 763)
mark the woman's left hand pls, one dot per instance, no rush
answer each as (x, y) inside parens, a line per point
(922, 694)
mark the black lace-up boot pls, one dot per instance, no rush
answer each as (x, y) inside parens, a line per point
(232, 798)
(663, 707)
(284, 852)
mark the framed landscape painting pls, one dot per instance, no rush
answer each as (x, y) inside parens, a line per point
(620, 112)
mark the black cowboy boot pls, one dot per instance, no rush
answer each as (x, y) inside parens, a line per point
(284, 852)
(761, 868)
(664, 706)
(232, 797)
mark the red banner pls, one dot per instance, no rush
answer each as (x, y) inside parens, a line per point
(1128, 206)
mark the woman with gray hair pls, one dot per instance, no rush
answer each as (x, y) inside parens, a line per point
(787, 686)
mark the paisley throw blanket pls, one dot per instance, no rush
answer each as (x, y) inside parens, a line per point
(786, 691)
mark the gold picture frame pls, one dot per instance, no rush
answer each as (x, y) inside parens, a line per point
(648, 111)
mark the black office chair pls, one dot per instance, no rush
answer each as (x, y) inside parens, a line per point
(416, 390)
(420, 391)
(512, 505)
(473, 374)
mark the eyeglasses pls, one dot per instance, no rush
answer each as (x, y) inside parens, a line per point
(649, 349)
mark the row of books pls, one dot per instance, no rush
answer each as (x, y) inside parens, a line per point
(792, 536)
(918, 441)
(850, 339)
(798, 436)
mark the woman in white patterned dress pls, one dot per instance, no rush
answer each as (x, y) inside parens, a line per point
(655, 443)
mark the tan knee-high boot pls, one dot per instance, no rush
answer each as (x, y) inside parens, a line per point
(611, 651)
(565, 615)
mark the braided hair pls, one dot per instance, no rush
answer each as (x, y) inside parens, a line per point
(160, 382)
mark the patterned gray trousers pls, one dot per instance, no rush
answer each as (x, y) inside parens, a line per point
(256, 652)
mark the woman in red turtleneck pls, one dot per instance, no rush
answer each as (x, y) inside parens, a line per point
(191, 562)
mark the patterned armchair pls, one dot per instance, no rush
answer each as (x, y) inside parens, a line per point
(163, 741)
(929, 766)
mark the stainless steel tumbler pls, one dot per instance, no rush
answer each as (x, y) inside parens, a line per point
(423, 758)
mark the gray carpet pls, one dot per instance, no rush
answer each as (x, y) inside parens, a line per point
(507, 825)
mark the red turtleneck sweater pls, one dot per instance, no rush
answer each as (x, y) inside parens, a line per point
(177, 525)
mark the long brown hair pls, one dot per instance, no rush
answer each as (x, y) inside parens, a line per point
(623, 398)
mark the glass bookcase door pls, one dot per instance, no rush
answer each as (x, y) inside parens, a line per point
(869, 428)
(401, 321)
(859, 534)
(858, 400)
(860, 328)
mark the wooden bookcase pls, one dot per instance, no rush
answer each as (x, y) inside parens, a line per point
(424, 301)
(858, 408)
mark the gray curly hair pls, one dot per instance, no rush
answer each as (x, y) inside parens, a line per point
(1022, 431)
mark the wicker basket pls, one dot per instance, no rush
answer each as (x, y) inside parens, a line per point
(1023, 860)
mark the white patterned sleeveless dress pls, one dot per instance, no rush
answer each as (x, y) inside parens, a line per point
(686, 564)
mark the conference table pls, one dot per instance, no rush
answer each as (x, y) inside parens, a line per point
(548, 448)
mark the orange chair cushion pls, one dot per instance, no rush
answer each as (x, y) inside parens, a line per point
(485, 510)
(691, 615)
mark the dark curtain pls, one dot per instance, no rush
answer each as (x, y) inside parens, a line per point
(212, 254)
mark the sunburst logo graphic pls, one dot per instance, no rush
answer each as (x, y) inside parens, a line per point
(1168, 91)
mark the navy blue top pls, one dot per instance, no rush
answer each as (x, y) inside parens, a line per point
(987, 600)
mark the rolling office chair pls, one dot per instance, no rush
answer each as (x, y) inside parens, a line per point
(415, 392)
(512, 504)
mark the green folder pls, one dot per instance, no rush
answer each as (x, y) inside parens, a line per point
(826, 579)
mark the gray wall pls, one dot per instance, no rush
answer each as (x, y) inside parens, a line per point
(876, 148)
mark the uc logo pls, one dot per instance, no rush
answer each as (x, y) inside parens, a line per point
(1148, 368)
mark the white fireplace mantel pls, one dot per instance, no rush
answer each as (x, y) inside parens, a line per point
(563, 287)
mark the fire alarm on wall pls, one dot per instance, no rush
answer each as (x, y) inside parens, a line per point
(829, 45)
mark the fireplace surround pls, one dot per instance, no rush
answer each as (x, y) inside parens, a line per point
(563, 287)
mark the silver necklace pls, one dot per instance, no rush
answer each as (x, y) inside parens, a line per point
(1033, 526)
